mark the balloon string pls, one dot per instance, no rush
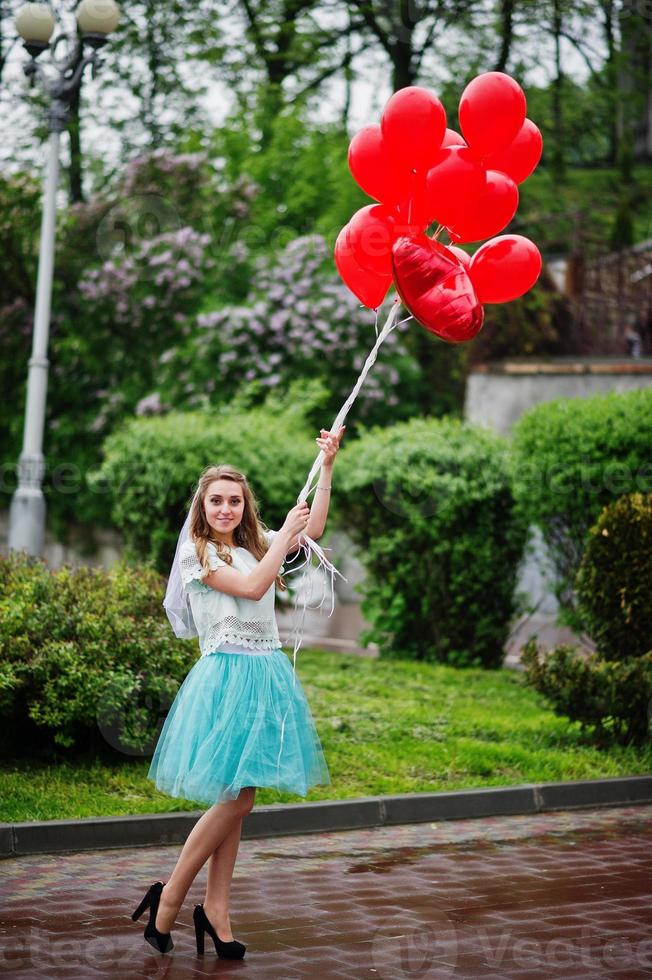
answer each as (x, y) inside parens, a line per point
(307, 545)
(412, 176)
(390, 323)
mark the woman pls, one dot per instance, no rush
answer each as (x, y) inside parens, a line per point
(240, 718)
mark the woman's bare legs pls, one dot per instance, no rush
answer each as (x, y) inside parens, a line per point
(218, 885)
(204, 838)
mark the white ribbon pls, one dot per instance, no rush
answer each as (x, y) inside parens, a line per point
(306, 544)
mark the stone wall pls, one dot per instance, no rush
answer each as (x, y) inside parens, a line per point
(497, 394)
(88, 546)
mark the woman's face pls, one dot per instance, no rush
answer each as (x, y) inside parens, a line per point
(224, 506)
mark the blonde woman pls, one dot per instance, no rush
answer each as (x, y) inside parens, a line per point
(240, 718)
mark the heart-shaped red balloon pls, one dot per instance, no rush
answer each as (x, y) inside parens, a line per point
(436, 288)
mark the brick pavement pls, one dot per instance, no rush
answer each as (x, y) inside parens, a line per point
(563, 894)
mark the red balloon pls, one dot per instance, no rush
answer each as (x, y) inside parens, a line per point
(520, 158)
(436, 289)
(415, 212)
(413, 125)
(504, 268)
(492, 110)
(455, 183)
(371, 233)
(490, 213)
(463, 256)
(369, 288)
(452, 138)
(374, 168)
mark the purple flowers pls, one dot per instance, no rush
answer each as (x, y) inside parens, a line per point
(150, 405)
(300, 321)
(156, 276)
(143, 169)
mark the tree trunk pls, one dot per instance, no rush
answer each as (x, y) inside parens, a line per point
(611, 73)
(150, 119)
(270, 102)
(75, 173)
(3, 49)
(403, 73)
(506, 33)
(558, 162)
(75, 191)
(348, 84)
(278, 65)
(634, 86)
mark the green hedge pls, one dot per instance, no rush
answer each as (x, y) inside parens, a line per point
(614, 582)
(611, 700)
(86, 656)
(151, 466)
(609, 692)
(430, 504)
(572, 457)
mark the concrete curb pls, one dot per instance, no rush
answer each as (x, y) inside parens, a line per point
(97, 833)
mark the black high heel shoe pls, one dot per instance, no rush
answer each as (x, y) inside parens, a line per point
(227, 951)
(162, 941)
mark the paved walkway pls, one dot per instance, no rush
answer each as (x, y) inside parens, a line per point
(566, 894)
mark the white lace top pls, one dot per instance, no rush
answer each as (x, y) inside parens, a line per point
(224, 620)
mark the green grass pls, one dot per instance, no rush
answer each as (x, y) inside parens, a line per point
(386, 727)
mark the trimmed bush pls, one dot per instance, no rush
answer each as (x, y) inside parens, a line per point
(572, 457)
(610, 691)
(614, 582)
(430, 503)
(87, 657)
(610, 700)
(151, 466)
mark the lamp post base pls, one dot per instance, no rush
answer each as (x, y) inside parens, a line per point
(27, 509)
(27, 521)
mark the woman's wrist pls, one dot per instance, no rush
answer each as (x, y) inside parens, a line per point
(325, 480)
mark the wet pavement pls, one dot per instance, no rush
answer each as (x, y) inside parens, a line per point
(564, 894)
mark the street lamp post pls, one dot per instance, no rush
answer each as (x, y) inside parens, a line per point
(96, 19)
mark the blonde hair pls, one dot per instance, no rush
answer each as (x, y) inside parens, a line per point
(249, 532)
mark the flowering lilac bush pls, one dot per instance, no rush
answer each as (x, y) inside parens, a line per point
(138, 305)
(182, 180)
(146, 288)
(299, 321)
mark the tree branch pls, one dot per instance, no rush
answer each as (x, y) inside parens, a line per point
(6, 53)
(328, 72)
(580, 48)
(256, 35)
(369, 17)
(332, 38)
(418, 55)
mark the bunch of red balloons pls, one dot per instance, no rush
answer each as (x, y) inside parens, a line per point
(421, 172)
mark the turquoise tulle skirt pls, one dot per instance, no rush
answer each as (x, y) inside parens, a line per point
(238, 719)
